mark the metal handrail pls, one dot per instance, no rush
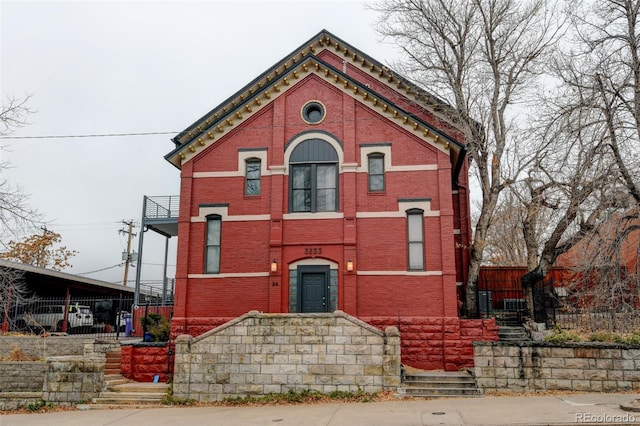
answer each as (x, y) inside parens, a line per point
(162, 207)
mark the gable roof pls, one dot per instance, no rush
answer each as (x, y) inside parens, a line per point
(299, 64)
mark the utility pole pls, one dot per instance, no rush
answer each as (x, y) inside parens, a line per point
(127, 255)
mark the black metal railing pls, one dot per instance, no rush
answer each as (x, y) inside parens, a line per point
(108, 318)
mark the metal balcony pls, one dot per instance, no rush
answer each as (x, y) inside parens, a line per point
(161, 214)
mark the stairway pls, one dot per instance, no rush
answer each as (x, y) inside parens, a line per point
(112, 363)
(123, 393)
(512, 334)
(120, 392)
(439, 384)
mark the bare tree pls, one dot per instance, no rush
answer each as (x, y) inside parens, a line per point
(605, 286)
(483, 57)
(565, 191)
(597, 109)
(15, 213)
(505, 243)
(14, 293)
(605, 71)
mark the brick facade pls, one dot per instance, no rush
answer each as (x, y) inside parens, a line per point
(143, 361)
(367, 110)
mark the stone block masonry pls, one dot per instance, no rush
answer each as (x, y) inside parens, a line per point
(22, 376)
(44, 346)
(258, 354)
(71, 379)
(539, 366)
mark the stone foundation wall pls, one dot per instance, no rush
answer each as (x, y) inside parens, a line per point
(432, 343)
(22, 376)
(274, 353)
(538, 366)
(71, 379)
(41, 347)
(143, 361)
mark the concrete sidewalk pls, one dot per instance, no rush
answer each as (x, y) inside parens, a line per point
(488, 410)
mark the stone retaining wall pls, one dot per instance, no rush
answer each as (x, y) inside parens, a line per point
(71, 379)
(274, 353)
(41, 347)
(539, 366)
(22, 376)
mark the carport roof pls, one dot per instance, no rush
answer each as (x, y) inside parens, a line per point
(67, 279)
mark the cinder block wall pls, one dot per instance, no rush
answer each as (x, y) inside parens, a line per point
(258, 354)
(539, 366)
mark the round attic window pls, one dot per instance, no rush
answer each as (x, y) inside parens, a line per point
(313, 112)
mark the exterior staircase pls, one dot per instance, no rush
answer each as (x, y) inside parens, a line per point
(439, 384)
(120, 392)
(112, 362)
(512, 334)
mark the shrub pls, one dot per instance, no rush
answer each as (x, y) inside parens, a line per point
(562, 336)
(156, 325)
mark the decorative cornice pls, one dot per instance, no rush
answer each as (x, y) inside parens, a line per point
(303, 62)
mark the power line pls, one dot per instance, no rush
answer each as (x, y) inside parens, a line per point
(100, 270)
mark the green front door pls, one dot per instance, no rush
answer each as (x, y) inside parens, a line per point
(313, 290)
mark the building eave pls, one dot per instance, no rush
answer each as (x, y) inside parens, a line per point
(273, 85)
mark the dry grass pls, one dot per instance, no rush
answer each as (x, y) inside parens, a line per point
(17, 354)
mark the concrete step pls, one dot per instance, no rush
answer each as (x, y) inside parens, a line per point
(116, 406)
(512, 333)
(437, 384)
(440, 392)
(440, 376)
(115, 379)
(132, 396)
(139, 387)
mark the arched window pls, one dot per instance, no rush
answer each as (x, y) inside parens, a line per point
(415, 239)
(212, 253)
(376, 172)
(313, 177)
(252, 176)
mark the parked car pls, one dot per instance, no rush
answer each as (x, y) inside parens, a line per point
(51, 317)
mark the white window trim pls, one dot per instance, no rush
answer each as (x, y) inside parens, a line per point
(223, 211)
(365, 151)
(313, 135)
(403, 206)
(243, 156)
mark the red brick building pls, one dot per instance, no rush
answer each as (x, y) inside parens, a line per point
(327, 183)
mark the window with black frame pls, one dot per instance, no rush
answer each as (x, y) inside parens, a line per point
(252, 176)
(313, 177)
(376, 172)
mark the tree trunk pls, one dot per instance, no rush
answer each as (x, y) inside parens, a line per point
(528, 282)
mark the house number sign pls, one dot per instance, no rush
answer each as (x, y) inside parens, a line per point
(313, 250)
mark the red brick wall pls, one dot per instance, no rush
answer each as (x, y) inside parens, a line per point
(374, 244)
(142, 363)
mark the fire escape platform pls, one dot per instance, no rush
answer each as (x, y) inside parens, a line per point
(160, 214)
